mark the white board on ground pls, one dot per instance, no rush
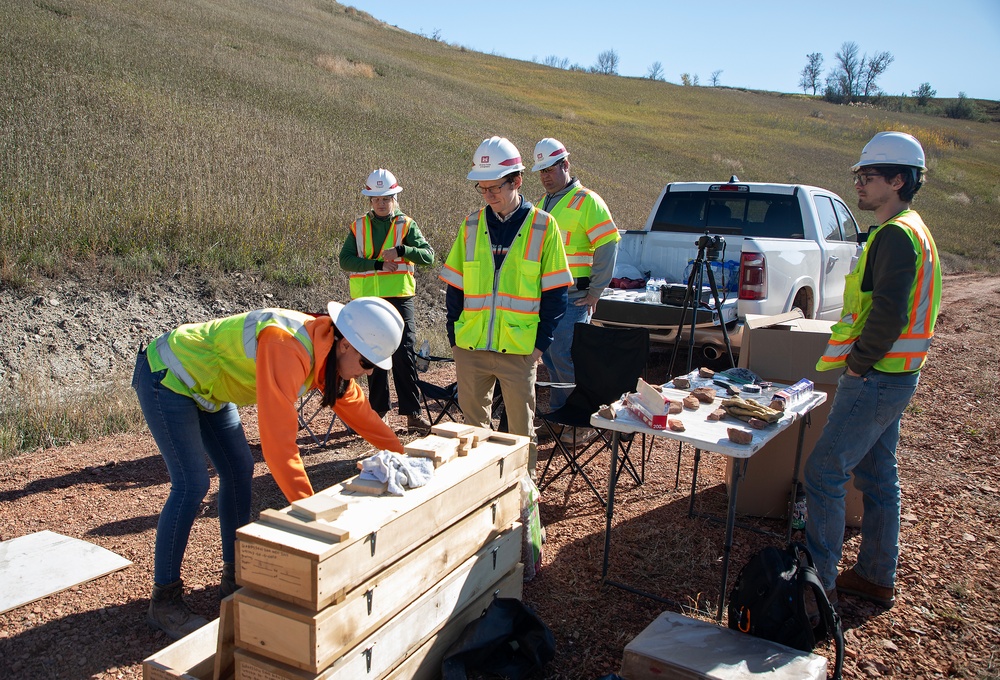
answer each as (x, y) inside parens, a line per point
(43, 563)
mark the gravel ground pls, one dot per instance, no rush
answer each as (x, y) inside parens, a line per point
(109, 492)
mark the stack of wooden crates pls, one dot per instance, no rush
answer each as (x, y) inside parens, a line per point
(352, 585)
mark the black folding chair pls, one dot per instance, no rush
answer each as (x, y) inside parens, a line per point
(608, 362)
(307, 412)
(445, 398)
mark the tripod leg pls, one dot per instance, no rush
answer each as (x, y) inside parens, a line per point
(680, 323)
(696, 302)
(722, 321)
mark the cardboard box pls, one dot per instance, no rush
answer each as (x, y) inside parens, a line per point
(683, 648)
(784, 348)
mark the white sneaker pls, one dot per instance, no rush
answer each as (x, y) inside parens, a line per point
(583, 435)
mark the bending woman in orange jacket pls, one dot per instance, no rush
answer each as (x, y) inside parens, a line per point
(190, 382)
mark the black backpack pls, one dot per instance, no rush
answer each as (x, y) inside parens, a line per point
(769, 601)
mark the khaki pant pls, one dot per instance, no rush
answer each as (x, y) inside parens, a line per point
(477, 371)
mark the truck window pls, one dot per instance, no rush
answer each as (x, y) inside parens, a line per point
(829, 224)
(774, 216)
(848, 227)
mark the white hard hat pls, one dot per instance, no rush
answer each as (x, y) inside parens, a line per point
(371, 325)
(494, 158)
(381, 183)
(892, 148)
(548, 152)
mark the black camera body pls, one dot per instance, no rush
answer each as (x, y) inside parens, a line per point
(713, 245)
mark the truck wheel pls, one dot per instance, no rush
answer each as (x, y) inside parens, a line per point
(803, 302)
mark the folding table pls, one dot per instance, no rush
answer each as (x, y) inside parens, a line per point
(704, 435)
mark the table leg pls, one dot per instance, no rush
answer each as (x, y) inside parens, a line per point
(730, 524)
(610, 509)
(694, 482)
(795, 474)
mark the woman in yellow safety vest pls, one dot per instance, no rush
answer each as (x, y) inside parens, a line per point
(191, 380)
(379, 253)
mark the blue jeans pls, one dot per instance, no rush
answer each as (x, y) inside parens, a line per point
(185, 435)
(558, 358)
(860, 436)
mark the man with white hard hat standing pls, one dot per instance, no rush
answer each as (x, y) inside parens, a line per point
(891, 302)
(590, 238)
(379, 253)
(507, 278)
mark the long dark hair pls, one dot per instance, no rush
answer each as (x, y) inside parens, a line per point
(334, 385)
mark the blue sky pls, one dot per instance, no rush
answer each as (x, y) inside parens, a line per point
(761, 44)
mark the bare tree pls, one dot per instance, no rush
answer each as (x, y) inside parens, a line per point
(871, 69)
(924, 94)
(847, 73)
(695, 81)
(715, 77)
(556, 62)
(811, 72)
(655, 71)
(607, 63)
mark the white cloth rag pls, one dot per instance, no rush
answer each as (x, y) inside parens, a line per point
(397, 471)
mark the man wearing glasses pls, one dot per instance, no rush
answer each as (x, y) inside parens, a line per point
(591, 240)
(891, 302)
(507, 278)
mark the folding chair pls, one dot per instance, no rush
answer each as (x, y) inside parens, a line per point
(307, 412)
(445, 399)
(608, 363)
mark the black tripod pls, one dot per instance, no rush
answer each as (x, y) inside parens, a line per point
(709, 250)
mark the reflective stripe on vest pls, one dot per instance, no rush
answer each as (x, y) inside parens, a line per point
(501, 307)
(375, 283)
(248, 330)
(909, 352)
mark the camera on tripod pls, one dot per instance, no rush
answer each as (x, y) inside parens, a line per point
(713, 245)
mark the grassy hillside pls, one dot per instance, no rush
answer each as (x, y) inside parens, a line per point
(138, 136)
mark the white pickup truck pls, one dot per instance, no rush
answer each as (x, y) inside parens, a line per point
(781, 246)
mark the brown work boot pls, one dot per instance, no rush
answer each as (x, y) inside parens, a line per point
(228, 585)
(169, 612)
(850, 583)
(417, 423)
(812, 608)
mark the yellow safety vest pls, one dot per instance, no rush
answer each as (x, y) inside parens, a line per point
(909, 352)
(399, 283)
(215, 362)
(501, 308)
(585, 224)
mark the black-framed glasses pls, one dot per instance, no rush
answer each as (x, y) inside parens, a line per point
(365, 364)
(493, 191)
(863, 178)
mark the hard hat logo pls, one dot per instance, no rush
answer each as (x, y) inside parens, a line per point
(485, 160)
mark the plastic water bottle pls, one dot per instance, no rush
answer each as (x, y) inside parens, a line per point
(423, 356)
(651, 289)
(799, 510)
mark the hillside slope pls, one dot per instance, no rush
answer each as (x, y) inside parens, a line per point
(142, 137)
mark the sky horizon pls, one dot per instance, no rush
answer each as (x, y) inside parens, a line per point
(754, 45)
